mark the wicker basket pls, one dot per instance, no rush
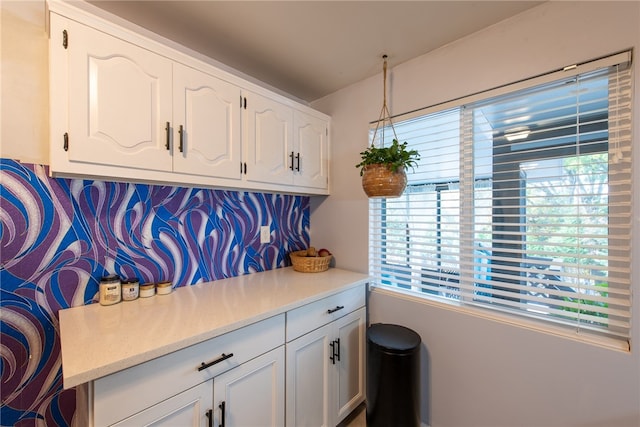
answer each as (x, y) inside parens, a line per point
(309, 264)
(379, 181)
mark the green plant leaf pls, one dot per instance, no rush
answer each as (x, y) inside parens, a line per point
(396, 156)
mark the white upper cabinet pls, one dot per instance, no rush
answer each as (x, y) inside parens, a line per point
(285, 145)
(312, 158)
(127, 106)
(268, 140)
(206, 120)
(119, 101)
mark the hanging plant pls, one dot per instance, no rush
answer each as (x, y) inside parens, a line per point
(383, 169)
(394, 157)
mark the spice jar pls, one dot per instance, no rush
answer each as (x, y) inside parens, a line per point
(130, 289)
(147, 290)
(164, 288)
(110, 290)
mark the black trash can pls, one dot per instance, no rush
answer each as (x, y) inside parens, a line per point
(393, 376)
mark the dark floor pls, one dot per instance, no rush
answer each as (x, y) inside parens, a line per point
(358, 418)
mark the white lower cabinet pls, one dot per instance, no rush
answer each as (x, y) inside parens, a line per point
(245, 365)
(325, 367)
(191, 408)
(350, 331)
(304, 367)
(251, 394)
(308, 379)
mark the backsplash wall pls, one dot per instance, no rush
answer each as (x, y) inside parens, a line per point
(59, 236)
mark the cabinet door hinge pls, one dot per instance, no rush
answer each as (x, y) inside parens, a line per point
(65, 145)
(65, 39)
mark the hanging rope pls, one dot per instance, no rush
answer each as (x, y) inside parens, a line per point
(385, 115)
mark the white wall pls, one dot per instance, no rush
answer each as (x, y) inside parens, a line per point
(476, 371)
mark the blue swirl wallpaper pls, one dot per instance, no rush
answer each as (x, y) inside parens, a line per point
(59, 236)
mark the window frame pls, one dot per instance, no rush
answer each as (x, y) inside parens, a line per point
(465, 298)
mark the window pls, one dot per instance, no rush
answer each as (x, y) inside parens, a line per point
(521, 202)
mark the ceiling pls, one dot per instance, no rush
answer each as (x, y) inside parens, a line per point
(309, 49)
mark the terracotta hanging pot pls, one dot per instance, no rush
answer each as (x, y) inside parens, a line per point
(379, 181)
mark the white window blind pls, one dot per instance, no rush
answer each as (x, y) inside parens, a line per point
(521, 202)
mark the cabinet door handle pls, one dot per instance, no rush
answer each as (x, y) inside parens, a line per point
(337, 341)
(221, 406)
(168, 129)
(298, 159)
(181, 132)
(210, 417)
(222, 358)
(291, 155)
(333, 310)
(332, 344)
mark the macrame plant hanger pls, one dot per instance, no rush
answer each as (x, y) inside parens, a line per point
(385, 115)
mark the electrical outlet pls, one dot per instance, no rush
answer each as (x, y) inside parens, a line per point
(265, 234)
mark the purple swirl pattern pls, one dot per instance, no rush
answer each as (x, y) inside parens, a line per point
(59, 236)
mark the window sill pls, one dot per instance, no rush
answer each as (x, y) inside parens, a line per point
(585, 337)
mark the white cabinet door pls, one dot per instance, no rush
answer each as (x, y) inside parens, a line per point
(251, 394)
(350, 389)
(325, 372)
(308, 379)
(311, 167)
(268, 140)
(206, 122)
(119, 101)
(192, 408)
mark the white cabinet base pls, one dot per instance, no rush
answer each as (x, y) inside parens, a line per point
(326, 366)
(308, 379)
(187, 409)
(251, 394)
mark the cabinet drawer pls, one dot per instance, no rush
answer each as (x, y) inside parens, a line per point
(127, 392)
(311, 316)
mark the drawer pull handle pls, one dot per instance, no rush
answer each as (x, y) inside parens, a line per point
(210, 417)
(181, 145)
(222, 358)
(333, 310)
(167, 145)
(222, 414)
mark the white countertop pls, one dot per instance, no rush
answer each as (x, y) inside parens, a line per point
(100, 340)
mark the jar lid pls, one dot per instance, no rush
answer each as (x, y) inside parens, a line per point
(110, 278)
(164, 284)
(130, 280)
(148, 285)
